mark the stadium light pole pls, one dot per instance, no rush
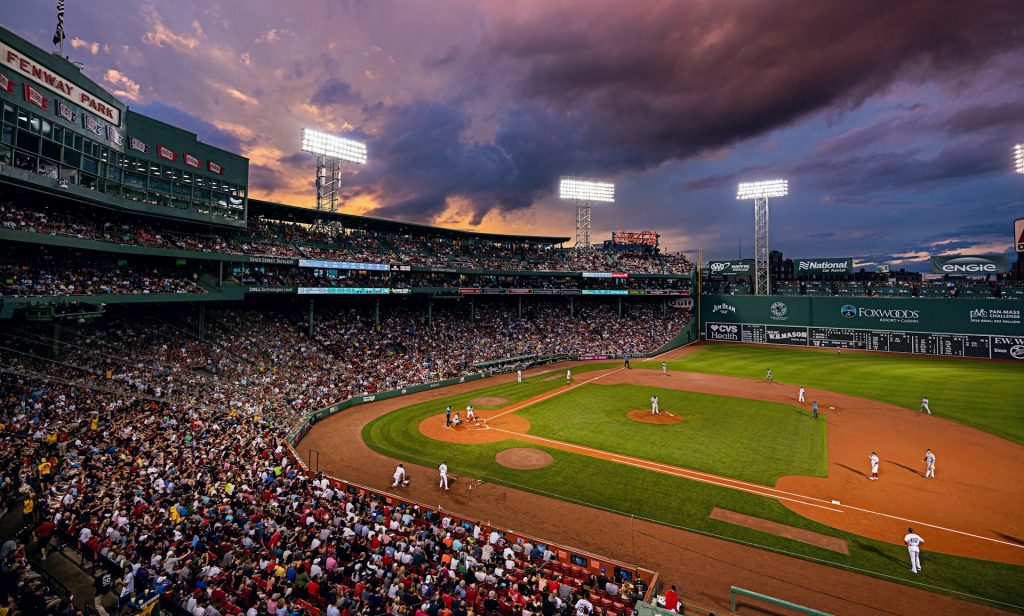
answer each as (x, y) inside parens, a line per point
(760, 192)
(330, 151)
(585, 193)
(1018, 156)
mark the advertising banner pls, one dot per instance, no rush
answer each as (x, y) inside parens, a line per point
(344, 291)
(818, 267)
(345, 265)
(1018, 234)
(968, 265)
(741, 267)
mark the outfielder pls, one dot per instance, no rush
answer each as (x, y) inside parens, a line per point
(924, 406)
(654, 406)
(399, 476)
(519, 376)
(801, 398)
(914, 541)
(568, 375)
(768, 376)
(874, 466)
(443, 470)
(929, 460)
(664, 368)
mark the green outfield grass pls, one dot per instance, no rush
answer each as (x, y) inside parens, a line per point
(983, 394)
(765, 440)
(665, 498)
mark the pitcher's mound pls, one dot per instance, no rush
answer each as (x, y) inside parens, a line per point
(524, 458)
(489, 401)
(644, 416)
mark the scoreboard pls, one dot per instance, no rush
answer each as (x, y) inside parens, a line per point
(923, 343)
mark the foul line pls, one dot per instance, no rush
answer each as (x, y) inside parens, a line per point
(557, 392)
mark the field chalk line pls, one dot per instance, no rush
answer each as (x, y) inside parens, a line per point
(725, 482)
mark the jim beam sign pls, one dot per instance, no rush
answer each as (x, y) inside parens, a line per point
(58, 84)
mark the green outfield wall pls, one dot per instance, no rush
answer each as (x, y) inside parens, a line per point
(984, 328)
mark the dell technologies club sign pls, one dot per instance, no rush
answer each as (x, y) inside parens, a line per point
(881, 315)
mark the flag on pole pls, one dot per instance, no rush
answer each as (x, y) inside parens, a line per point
(58, 36)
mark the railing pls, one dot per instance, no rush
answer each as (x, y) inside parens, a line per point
(736, 590)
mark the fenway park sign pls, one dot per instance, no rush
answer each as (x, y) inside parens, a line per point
(57, 83)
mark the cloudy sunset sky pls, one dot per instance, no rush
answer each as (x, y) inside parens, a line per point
(893, 121)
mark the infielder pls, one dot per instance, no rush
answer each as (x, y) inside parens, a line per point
(654, 406)
(664, 368)
(924, 406)
(914, 541)
(874, 466)
(519, 376)
(443, 470)
(801, 398)
(568, 375)
(768, 376)
(399, 476)
(929, 461)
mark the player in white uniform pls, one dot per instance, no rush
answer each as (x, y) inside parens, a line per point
(801, 399)
(443, 470)
(924, 406)
(399, 476)
(568, 375)
(470, 413)
(929, 460)
(914, 541)
(664, 368)
(768, 375)
(654, 406)
(456, 421)
(874, 466)
(519, 376)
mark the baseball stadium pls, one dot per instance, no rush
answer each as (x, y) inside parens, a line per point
(219, 401)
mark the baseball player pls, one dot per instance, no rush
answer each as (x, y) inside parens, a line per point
(664, 368)
(399, 476)
(839, 350)
(625, 361)
(914, 541)
(519, 376)
(456, 421)
(654, 406)
(801, 398)
(470, 413)
(874, 466)
(448, 416)
(768, 376)
(929, 461)
(568, 375)
(924, 406)
(443, 470)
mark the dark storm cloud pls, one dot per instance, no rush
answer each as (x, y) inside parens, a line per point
(207, 132)
(335, 92)
(672, 79)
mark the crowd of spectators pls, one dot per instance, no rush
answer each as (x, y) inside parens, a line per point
(265, 237)
(60, 280)
(160, 456)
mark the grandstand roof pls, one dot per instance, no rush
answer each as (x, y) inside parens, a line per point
(294, 213)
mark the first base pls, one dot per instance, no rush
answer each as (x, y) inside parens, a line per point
(835, 502)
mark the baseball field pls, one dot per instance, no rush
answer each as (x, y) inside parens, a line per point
(733, 456)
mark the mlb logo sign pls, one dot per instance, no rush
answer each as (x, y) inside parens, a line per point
(66, 112)
(93, 125)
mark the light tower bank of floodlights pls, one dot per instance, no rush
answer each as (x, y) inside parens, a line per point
(585, 193)
(330, 152)
(1018, 158)
(760, 192)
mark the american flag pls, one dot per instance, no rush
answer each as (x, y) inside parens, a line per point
(58, 36)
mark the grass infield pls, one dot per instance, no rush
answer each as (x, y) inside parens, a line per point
(640, 492)
(982, 394)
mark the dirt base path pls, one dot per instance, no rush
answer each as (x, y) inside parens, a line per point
(706, 566)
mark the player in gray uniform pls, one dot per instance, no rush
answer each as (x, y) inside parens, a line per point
(924, 406)
(929, 460)
(768, 376)
(913, 542)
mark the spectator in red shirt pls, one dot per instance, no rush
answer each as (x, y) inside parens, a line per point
(672, 599)
(44, 532)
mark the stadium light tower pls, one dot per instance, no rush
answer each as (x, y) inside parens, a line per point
(585, 193)
(330, 152)
(1018, 156)
(760, 192)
